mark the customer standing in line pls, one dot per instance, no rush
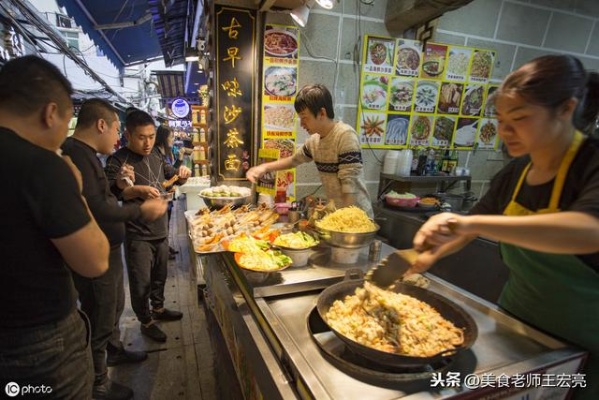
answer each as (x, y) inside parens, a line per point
(103, 298)
(333, 146)
(543, 207)
(164, 144)
(46, 228)
(146, 243)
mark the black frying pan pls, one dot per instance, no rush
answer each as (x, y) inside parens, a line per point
(448, 309)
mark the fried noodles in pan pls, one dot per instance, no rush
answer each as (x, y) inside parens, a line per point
(393, 322)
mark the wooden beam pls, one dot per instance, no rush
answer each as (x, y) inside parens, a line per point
(265, 5)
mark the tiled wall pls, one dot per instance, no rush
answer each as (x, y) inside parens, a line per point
(518, 30)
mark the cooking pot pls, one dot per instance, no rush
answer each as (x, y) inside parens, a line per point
(448, 309)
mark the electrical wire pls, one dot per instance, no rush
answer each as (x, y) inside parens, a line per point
(359, 74)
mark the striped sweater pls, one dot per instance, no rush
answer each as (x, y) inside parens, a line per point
(338, 158)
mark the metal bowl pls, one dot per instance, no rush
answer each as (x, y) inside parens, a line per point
(347, 240)
(223, 201)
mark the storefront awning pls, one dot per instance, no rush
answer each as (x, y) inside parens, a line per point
(135, 31)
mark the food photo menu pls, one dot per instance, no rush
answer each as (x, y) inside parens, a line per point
(280, 74)
(434, 95)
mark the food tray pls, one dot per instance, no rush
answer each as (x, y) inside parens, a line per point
(225, 223)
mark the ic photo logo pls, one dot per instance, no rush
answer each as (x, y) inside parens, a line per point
(12, 389)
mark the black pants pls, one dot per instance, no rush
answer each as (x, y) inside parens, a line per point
(147, 262)
(103, 300)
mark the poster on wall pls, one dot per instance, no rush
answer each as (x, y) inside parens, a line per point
(235, 76)
(379, 54)
(280, 75)
(432, 96)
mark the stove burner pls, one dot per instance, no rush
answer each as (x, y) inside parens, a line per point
(338, 354)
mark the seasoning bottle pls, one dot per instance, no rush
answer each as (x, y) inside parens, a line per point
(196, 154)
(374, 253)
(204, 170)
(196, 136)
(202, 116)
(196, 170)
(202, 137)
(202, 153)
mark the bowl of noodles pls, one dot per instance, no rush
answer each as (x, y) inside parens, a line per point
(348, 227)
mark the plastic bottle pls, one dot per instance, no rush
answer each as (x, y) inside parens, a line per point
(202, 137)
(430, 163)
(196, 136)
(196, 170)
(202, 153)
(452, 162)
(414, 167)
(204, 170)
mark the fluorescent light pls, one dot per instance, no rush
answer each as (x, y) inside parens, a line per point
(328, 4)
(191, 54)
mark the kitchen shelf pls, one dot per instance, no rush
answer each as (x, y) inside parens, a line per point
(443, 181)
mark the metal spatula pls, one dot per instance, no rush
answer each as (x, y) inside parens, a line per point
(391, 268)
(398, 263)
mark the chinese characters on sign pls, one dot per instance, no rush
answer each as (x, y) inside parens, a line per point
(235, 98)
(432, 96)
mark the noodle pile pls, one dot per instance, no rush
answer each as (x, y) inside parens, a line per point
(348, 219)
(393, 322)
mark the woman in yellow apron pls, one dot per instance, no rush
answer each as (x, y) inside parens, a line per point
(543, 207)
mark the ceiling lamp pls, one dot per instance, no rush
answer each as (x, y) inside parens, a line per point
(300, 14)
(191, 54)
(328, 4)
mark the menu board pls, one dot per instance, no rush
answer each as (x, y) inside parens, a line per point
(235, 98)
(280, 74)
(433, 96)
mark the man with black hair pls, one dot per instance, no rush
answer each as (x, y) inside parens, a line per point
(146, 243)
(47, 228)
(333, 146)
(103, 299)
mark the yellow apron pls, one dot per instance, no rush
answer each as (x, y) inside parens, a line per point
(557, 293)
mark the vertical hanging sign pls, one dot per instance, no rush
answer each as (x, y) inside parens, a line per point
(280, 74)
(235, 33)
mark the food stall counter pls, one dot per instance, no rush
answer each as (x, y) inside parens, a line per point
(317, 366)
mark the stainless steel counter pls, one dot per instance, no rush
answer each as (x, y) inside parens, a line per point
(280, 304)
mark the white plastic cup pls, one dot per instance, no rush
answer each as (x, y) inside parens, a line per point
(264, 198)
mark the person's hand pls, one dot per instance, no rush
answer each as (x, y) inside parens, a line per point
(153, 209)
(146, 192)
(438, 230)
(423, 262)
(75, 171)
(184, 172)
(254, 173)
(125, 176)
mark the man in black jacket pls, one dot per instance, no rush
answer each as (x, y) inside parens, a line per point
(103, 299)
(146, 244)
(47, 232)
